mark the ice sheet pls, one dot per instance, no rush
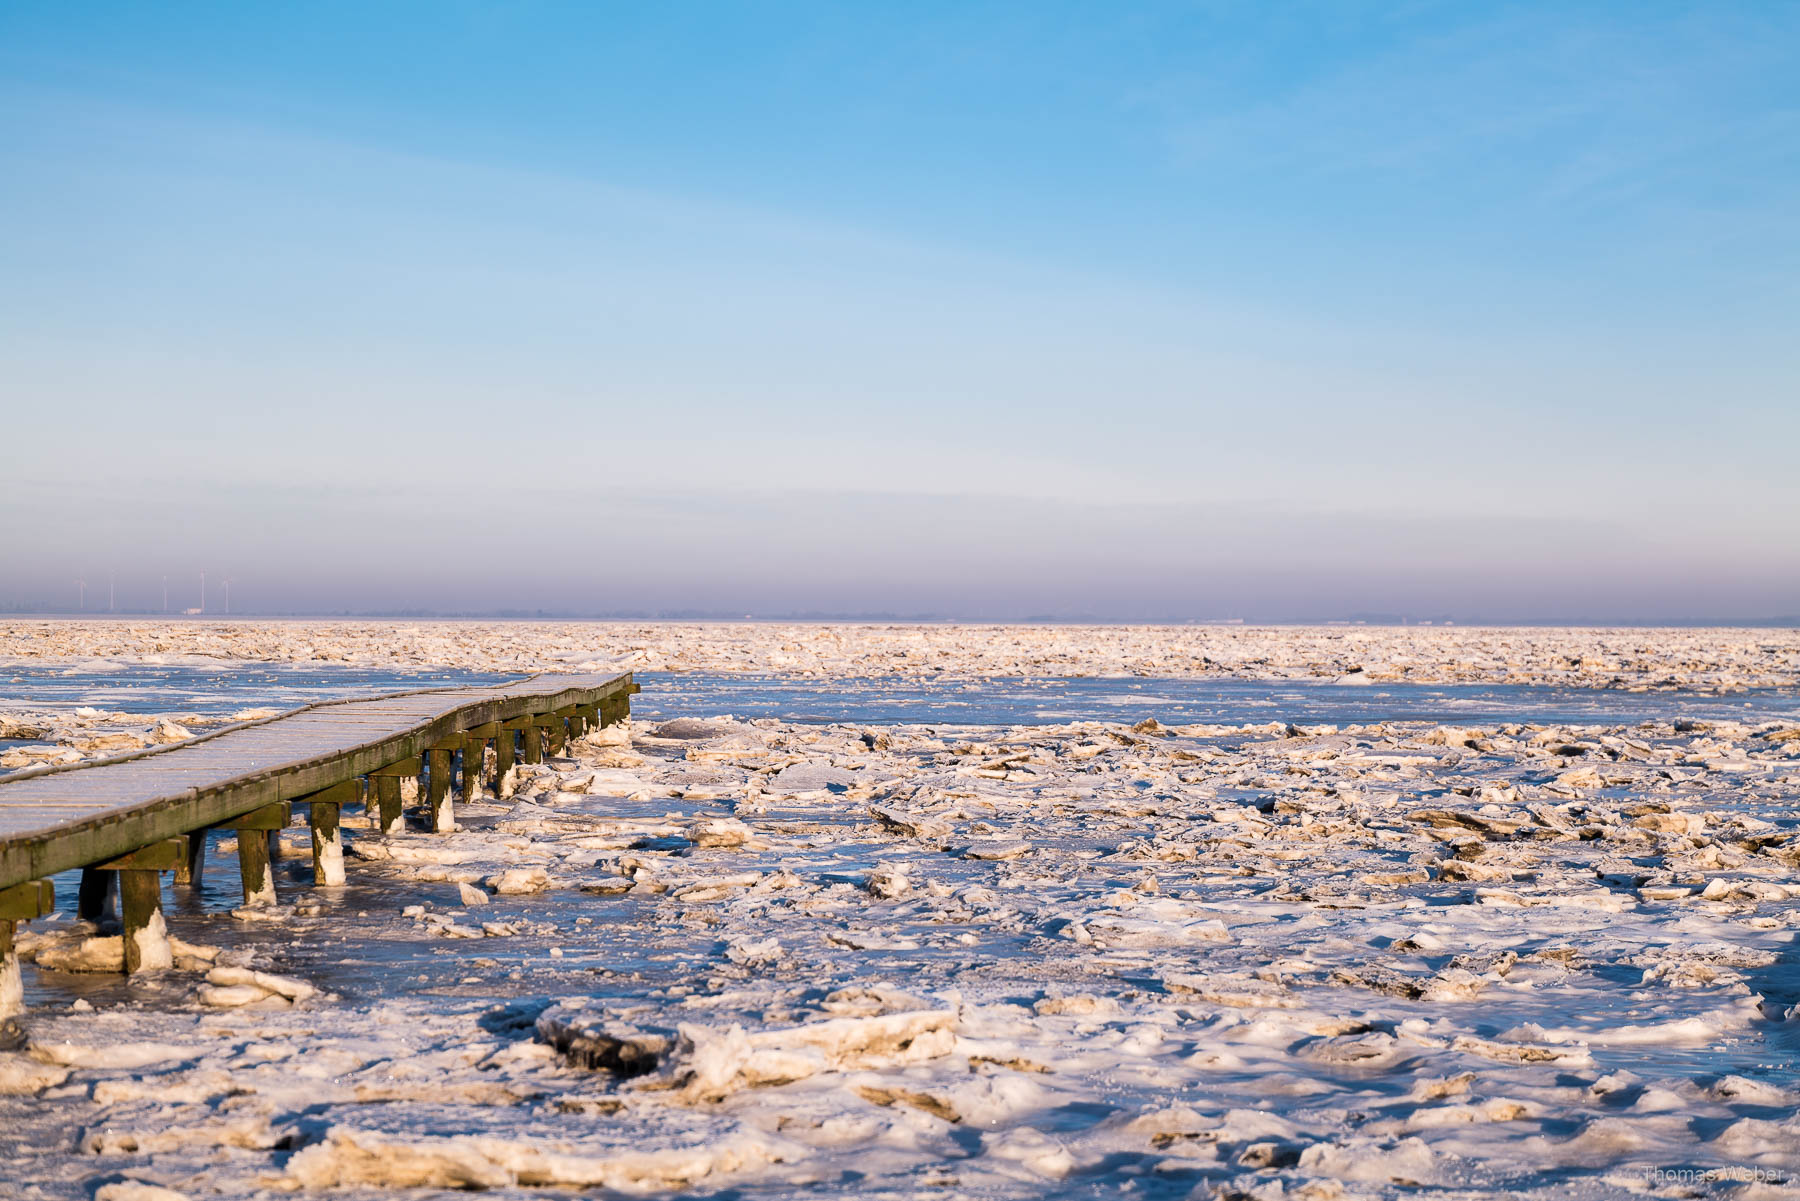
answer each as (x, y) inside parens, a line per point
(1169, 944)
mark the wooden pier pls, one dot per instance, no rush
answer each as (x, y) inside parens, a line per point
(125, 820)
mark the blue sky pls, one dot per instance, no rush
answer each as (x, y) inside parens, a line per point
(1165, 310)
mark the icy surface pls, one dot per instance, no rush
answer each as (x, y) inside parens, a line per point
(1274, 955)
(1591, 658)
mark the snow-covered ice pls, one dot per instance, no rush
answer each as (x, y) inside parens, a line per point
(1075, 958)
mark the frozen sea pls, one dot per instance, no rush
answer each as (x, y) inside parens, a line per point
(998, 701)
(1196, 961)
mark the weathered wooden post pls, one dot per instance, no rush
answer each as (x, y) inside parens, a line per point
(20, 903)
(93, 898)
(474, 759)
(192, 868)
(443, 819)
(324, 812)
(556, 732)
(390, 816)
(146, 937)
(505, 746)
(534, 740)
(253, 829)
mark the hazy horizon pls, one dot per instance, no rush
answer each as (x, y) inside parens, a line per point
(1004, 311)
(876, 618)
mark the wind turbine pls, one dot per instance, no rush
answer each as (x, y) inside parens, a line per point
(165, 595)
(228, 595)
(203, 592)
(109, 592)
(81, 595)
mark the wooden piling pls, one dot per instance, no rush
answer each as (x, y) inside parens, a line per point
(556, 732)
(20, 903)
(146, 936)
(437, 801)
(93, 899)
(474, 759)
(12, 980)
(324, 813)
(253, 851)
(254, 868)
(192, 868)
(390, 817)
(503, 761)
(505, 747)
